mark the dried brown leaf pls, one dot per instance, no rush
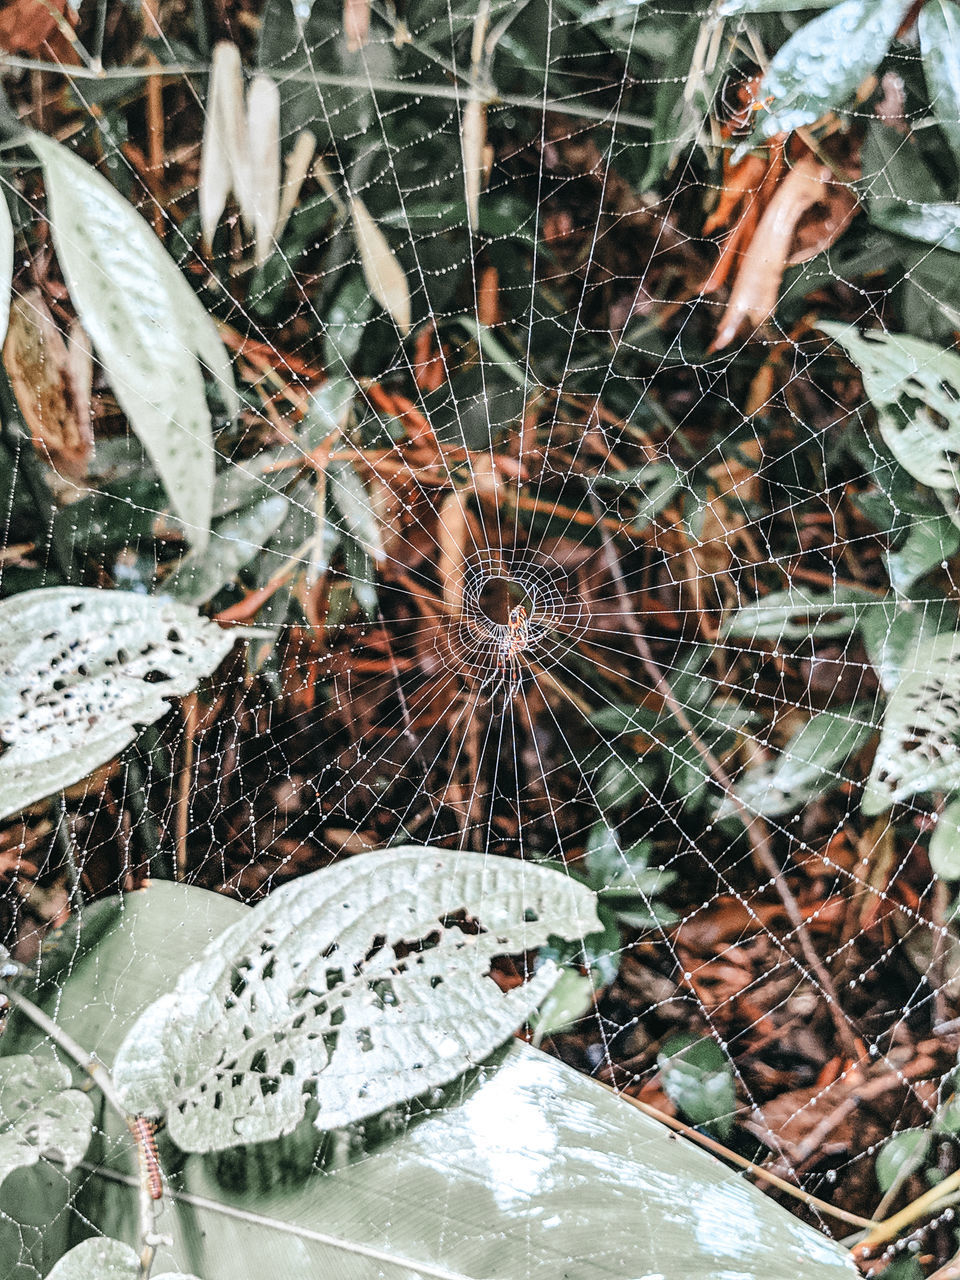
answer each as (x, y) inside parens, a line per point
(52, 382)
(356, 23)
(757, 286)
(295, 172)
(384, 275)
(473, 137)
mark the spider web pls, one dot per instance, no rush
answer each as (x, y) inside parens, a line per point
(557, 435)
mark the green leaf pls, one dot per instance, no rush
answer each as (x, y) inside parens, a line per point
(914, 386)
(902, 1155)
(821, 65)
(79, 673)
(933, 223)
(292, 999)
(939, 29)
(569, 1000)
(698, 1078)
(40, 1114)
(945, 843)
(892, 636)
(148, 326)
(796, 614)
(6, 266)
(101, 1258)
(352, 502)
(531, 1140)
(929, 543)
(237, 538)
(807, 767)
(919, 749)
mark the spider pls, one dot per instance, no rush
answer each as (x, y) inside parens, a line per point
(512, 644)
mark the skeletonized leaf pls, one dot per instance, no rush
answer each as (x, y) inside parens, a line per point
(822, 64)
(147, 325)
(351, 985)
(473, 137)
(80, 669)
(915, 388)
(263, 155)
(6, 266)
(939, 29)
(385, 277)
(101, 1258)
(919, 746)
(296, 168)
(40, 1114)
(52, 382)
(222, 151)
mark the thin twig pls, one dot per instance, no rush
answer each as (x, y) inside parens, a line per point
(755, 827)
(757, 1170)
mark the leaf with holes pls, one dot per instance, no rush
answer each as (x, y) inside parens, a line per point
(148, 326)
(101, 1258)
(914, 386)
(919, 746)
(40, 1115)
(80, 669)
(362, 985)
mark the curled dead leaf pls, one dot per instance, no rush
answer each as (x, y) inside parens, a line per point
(757, 286)
(52, 380)
(295, 172)
(384, 275)
(223, 149)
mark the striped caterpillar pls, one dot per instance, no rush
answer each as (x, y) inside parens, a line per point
(144, 1134)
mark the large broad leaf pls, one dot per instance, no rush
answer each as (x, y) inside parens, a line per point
(939, 28)
(40, 1115)
(821, 65)
(101, 1258)
(915, 388)
(536, 1173)
(147, 324)
(80, 669)
(920, 741)
(353, 984)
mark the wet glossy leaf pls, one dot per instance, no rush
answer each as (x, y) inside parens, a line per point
(40, 1114)
(939, 28)
(81, 670)
(309, 992)
(822, 64)
(451, 1177)
(147, 325)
